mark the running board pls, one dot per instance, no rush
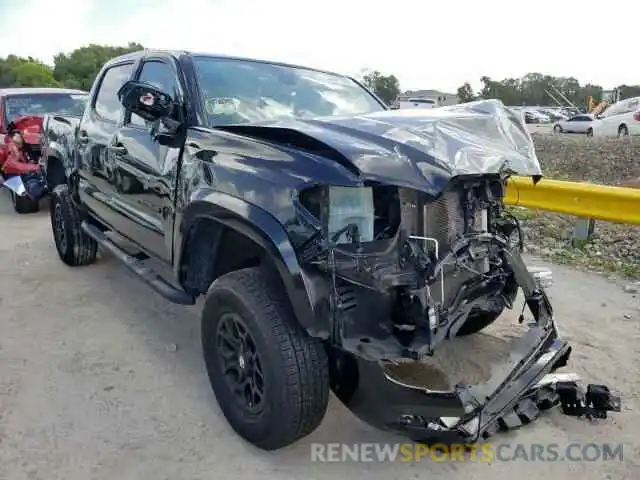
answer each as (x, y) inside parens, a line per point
(148, 275)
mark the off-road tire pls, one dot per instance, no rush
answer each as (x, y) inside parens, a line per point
(24, 204)
(74, 246)
(478, 321)
(294, 365)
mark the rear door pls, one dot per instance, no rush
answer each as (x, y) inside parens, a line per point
(96, 133)
(146, 171)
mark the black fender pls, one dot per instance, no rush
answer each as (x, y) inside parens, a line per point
(267, 232)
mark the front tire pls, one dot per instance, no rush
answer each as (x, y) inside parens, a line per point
(590, 132)
(478, 321)
(270, 378)
(74, 246)
(557, 129)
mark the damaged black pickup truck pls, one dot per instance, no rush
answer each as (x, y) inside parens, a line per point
(334, 240)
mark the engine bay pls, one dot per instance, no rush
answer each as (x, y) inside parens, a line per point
(405, 271)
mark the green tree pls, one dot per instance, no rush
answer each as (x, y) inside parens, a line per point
(8, 68)
(465, 93)
(79, 68)
(32, 74)
(629, 91)
(508, 90)
(386, 87)
(540, 89)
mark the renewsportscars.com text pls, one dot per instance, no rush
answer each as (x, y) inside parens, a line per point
(505, 452)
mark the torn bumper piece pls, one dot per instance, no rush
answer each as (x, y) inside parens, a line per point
(520, 387)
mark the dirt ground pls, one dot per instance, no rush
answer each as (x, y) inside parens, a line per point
(102, 379)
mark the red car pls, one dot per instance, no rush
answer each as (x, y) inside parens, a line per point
(23, 109)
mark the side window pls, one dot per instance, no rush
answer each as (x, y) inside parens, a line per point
(161, 75)
(107, 104)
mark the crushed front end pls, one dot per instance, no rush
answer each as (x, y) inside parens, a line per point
(403, 273)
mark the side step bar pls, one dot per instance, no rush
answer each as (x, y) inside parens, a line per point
(148, 275)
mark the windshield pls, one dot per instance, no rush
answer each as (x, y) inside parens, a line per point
(244, 91)
(39, 104)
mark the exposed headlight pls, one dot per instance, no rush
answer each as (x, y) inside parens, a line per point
(350, 214)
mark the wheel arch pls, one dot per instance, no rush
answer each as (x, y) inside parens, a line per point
(54, 170)
(235, 228)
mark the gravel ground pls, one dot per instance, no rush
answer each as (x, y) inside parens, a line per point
(102, 379)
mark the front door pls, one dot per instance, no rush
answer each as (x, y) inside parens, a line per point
(147, 171)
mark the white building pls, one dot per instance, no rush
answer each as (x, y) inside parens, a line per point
(426, 99)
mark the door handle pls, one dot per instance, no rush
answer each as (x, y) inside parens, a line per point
(118, 149)
(200, 152)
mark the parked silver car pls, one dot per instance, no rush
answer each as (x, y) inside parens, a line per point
(581, 123)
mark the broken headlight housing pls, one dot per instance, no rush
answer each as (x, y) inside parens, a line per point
(348, 215)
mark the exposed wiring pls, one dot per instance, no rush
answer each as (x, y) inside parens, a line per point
(518, 227)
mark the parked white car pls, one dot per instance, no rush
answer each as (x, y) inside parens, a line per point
(582, 123)
(618, 120)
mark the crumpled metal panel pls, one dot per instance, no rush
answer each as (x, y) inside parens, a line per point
(420, 149)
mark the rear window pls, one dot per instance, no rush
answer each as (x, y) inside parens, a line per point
(40, 104)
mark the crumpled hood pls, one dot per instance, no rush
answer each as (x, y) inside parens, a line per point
(31, 128)
(419, 148)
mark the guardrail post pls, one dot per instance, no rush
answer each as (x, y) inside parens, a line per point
(583, 231)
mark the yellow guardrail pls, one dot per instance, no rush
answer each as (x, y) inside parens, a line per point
(599, 202)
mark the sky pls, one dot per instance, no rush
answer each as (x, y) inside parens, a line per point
(427, 44)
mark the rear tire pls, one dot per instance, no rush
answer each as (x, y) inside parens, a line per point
(590, 132)
(244, 312)
(557, 129)
(74, 246)
(24, 204)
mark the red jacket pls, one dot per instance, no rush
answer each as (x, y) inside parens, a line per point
(17, 162)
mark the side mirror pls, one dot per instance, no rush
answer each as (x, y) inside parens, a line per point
(145, 100)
